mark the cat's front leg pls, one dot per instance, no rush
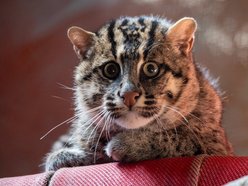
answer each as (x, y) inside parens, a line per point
(131, 147)
(65, 157)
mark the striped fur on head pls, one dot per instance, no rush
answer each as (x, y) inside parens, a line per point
(136, 47)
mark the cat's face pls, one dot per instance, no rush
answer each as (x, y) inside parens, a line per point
(132, 69)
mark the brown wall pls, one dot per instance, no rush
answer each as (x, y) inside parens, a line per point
(35, 56)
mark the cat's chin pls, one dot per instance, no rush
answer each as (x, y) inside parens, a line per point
(132, 120)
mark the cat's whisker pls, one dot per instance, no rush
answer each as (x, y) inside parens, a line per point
(109, 128)
(94, 109)
(93, 120)
(187, 125)
(91, 111)
(156, 116)
(197, 118)
(109, 123)
(100, 135)
(84, 89)
(66, 87)
(60, 124)
(175, 128)
(60, 98)
(79, 114)
(72, 136)
(106, 117)
(163, 126)
(178, 112)
(106, 121)
(176, 108)
(160, 134)
(94, 117)
(192, 131)
(96, 126)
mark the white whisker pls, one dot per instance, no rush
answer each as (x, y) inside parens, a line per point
(96, 126)
(187, 125)
(100, 136)
(91, 123)
(93, 120)
(163, 127)
(108, 125)
(200, 141)
(196, 118)
(93, 109)
(66, 87)
(62, 123)
(175, 110)
(58, 97)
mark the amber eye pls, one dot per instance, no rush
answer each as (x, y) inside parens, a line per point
(151, 69)
(111, 70)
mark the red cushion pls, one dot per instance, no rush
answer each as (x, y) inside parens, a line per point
(30, 180)
(220, 170)
(201, 170)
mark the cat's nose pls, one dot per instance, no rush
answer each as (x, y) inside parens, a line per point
(130, 98)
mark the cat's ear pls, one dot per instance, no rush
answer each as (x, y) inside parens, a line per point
(182, 34)
(81, 40)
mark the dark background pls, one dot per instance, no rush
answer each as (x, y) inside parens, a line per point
(35, 56)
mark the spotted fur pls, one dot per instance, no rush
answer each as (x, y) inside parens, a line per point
(177, 113)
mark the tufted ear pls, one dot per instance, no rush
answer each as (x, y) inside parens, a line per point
(182, 34)
(81, 40)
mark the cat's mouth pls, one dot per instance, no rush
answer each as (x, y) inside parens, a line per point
(135, 117)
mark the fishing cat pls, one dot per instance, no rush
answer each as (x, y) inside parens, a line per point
(139, 95)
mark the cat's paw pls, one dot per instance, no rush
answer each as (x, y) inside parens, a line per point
(114, 150)
(64, 158)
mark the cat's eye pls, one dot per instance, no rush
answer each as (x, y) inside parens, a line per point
(111, 70)
(151, 69)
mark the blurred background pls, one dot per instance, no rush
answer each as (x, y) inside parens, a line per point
(36, 57)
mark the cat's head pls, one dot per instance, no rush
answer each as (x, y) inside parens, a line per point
(133, 70)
